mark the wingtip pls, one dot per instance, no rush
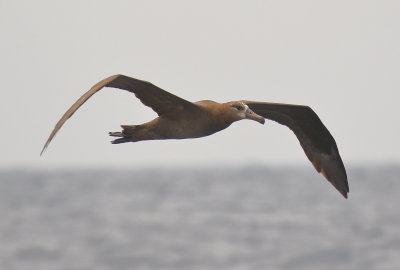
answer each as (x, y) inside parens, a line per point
(344, 190)
(344, 187)
(332, 168)
(45, 146)
(43, 150)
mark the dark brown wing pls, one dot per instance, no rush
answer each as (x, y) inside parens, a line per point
(162, 102)
(317, 142)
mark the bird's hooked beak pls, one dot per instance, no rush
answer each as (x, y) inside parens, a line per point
(249, 114)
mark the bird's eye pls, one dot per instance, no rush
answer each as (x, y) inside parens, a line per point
(238, 107)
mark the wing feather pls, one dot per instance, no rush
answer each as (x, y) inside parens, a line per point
(161, 101)
(315, 139)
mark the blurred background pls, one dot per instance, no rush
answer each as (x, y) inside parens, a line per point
(244, 198)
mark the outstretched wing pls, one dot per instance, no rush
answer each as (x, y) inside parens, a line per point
(162, 102)
(317, 142)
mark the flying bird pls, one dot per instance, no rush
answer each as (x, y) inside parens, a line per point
(182, 119)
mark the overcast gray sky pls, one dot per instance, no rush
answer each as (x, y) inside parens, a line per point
(340, 57)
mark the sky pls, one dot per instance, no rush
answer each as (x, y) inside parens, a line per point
(342, 58)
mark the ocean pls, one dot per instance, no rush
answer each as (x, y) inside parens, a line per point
(204, 218)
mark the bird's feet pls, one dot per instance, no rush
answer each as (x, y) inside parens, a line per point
(116, 134)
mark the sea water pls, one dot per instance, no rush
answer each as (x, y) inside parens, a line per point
(224, 218)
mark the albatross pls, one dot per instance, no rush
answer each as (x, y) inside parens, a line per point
(182, 119)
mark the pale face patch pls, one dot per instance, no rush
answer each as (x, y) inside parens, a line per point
(241, 107)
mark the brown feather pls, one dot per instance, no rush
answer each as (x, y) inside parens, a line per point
(317, 142)
(179, 119)
(162, 102)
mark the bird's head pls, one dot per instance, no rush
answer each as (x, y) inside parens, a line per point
(238, 110)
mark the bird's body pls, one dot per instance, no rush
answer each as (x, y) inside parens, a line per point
(206, 118)
(181, 119)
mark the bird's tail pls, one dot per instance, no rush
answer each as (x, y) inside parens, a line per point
(126, 135)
